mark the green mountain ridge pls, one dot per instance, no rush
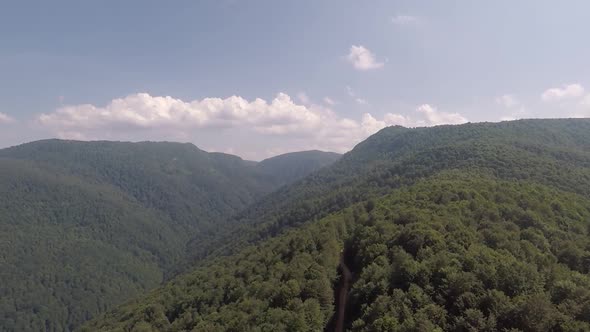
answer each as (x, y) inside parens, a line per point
(86, 225)
(554, 152)
(453, 228)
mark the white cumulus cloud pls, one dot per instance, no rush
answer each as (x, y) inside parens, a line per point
(567, 91)
(142, 110)
(398, 120)
(363, 59)
(253, 125)
(434, 117)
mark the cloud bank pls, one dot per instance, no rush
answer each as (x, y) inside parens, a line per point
(145, 117)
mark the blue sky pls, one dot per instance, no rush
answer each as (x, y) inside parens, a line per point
(257, 78)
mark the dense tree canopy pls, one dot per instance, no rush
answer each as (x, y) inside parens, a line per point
(551, 152)
(455, 252)
(86, 225)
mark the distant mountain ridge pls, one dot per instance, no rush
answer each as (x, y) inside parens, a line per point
(293, 166)
(190, 171)
(553, 151)
(85, 225)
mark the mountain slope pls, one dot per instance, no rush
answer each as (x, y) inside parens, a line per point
(71, 249)
(187, 184)
(488, 230)
(86, 225)
(552, 152)
(289, 167)
(455, 252)
(528, 157)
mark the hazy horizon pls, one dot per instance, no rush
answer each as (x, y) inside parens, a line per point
(251, 159)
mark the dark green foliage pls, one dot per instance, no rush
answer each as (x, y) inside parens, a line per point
(486, 258)
(552, 152)
(86, 225)
(282, 285)
(70, 249)
(456, 252)
(487, 231)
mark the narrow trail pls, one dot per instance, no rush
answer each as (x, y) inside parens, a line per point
(341, 295)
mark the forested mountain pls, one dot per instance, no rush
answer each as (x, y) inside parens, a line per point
(85, 225)
(179, 180)
(478, 227)
(71, 249)
(452, 228)
(553, 152)
(289, 167)
(455, 252)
